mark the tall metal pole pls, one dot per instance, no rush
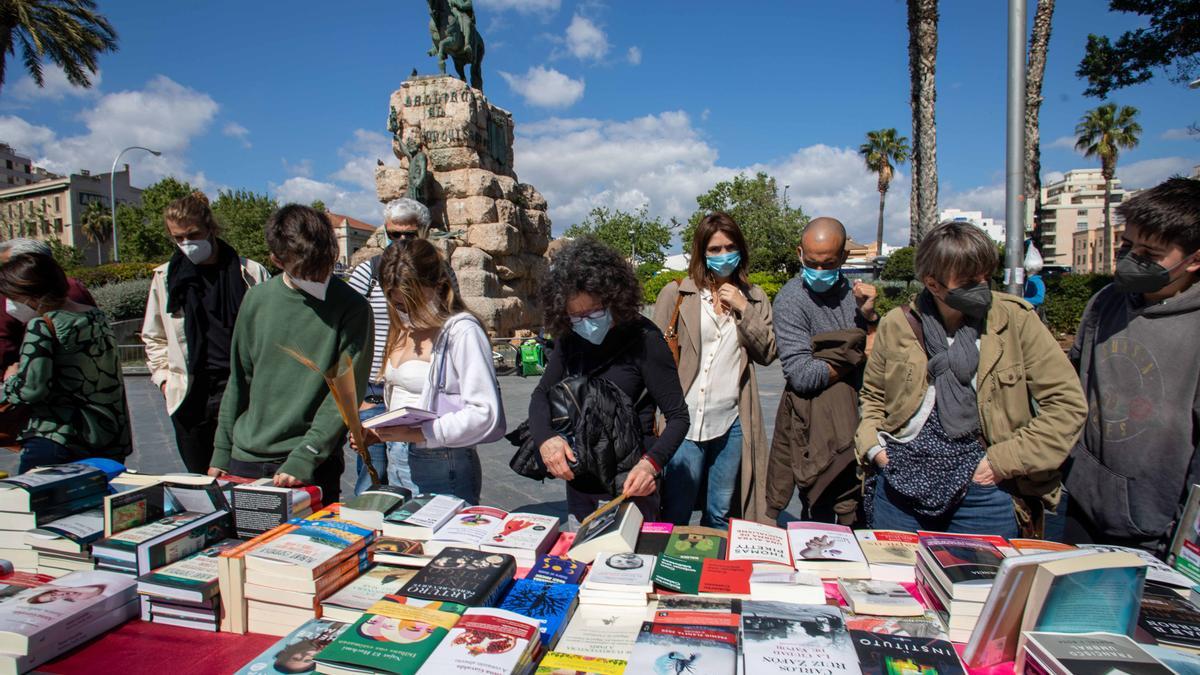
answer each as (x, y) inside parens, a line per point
(1014, 198)
(112, 193)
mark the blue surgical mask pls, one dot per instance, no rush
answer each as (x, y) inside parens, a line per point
(593, 329)
(724, 265)
(821, 280)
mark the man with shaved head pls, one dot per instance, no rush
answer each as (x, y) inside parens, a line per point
(821, 321)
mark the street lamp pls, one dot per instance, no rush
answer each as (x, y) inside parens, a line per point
(112, 193)
(785, 189)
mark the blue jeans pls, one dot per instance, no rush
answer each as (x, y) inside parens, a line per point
(446, 471)
(720, 459)
(38, 451)
(986, 509)
(377, 452)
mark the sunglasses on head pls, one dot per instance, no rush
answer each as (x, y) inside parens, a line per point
(406, 235)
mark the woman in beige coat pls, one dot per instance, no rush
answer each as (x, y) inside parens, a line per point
(723, 324)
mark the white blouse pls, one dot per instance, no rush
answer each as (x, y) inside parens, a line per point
(712, 400)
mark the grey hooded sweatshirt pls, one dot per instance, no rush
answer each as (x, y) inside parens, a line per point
(1140, 369)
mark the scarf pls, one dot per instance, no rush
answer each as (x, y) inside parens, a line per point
(184, 289)
(951, 369)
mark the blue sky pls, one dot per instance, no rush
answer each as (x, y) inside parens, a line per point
(617, 103)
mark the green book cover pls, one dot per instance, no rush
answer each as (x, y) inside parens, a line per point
(393, 637)
(677, 574)
(696, 543)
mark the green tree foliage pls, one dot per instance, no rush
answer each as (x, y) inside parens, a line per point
(318, 205)
(243, 215)
(1102, 133)
(652, 287)
(70, 33)
(900, 265)
(772, 228)
(96, 225)
(141, 234)
(883, 150)
(1067, 297)
(67, 256)
(1172, 37)
(635, 234)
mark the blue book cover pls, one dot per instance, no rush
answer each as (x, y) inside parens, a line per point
(552, 569)
(1105, 600)
(552, 603)
(295, 652)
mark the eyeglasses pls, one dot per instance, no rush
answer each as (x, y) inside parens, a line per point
(594, 314)
(406, 235)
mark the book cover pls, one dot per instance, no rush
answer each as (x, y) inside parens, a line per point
(295, 652)
(374, 583)
(696, 543)
(15, 582)
(400, 551)
(888, 547)
(529, 531)
(44, 486)
(879, 597)
(127, 540)
(757, 542)
(895, 654)
(1170, 619)
(667, 649)
(781, 637)
(1157, 571)
(473, 525)
(194, 576)
(601, 632)
(699, 603)
(1094, 654)
(698, 618)
(621, 570)
(1105, 600)
(485, 640)
(183, 541)
(925, 626)
(602, 525)
(391, 637)
(1032, 546)
(963, 559)
(71, 533)
(467, 577)
(426, 511)
(823, 541)
(314, 546)
(261, 507)
(560, 663)
(552, 604)
(726, 577)
(408, 508)
(653, 538)
(31, 617)
(555, 570)
(678, 575)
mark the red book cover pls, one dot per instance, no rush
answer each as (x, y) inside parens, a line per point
(686, 618)
(694, 633)
(563, 544)
(730, 577)
(995, 540)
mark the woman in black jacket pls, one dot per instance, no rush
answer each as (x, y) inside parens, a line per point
(591, 301)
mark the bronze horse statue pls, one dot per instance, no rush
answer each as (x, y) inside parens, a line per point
(452, 28)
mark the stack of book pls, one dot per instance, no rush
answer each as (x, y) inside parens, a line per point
(396, 635)
(185, 593)
(420, 517)
(370, 507)
(601, 632)
(38, 624)
(487, 641)
(463, 576)
(682, 648)
(524, 536)
(954, 575)
(140, 550)
(36, 498)
(779, 637)
(552, 569)
(881, 598)
(552, 604)
(400, 552)
(1069, 653)
(619, 579)
(288, 576)
(260, 505)
(1169, 620)
(64, 545)
(891, 555)
(831, 551)
(356, 597)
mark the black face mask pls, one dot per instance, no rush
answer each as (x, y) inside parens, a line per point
(973, 301)
(1137, 275)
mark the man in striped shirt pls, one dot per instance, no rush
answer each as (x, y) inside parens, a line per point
(404, 219)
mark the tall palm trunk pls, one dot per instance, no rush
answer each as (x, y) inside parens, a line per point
(879, 230)
(1108, 173)
(922, 62)
(1039, 42)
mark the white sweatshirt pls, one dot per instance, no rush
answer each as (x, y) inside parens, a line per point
(463, 350)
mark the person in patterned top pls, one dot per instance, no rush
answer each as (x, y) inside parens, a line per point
(68, 375)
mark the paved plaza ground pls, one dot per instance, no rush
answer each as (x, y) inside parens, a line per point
(155, 452)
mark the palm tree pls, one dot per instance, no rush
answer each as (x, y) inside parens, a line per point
(883, 147)
(1035, 70)
(922, 63)
(96, 225)
(1102, 133)
(68, 32)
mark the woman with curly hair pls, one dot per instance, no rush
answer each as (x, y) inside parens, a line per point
(592, 302)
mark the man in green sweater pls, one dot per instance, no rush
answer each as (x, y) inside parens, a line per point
(278, 418)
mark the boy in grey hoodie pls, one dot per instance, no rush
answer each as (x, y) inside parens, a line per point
(1136, 352)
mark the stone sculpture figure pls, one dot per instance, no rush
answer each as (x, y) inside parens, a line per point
(452, 28)
(418, 169)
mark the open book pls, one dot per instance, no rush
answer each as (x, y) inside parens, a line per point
(400, 417)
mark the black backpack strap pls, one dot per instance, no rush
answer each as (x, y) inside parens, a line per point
(374, 263)
(914, 322)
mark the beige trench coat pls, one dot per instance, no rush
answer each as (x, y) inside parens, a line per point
(756, 336)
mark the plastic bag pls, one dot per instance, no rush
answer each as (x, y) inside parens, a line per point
(1033, 260)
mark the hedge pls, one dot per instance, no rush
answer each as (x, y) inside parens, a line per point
(654, 286)
(122, 300)
(101, 275)
(1067, 297)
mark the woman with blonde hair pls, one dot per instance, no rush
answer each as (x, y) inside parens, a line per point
(438, 358)
(194, 301)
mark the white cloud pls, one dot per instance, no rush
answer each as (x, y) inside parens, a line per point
(55, 86)
(239, 132)
(1150, 172)
(634, 56)
(522, 6)
(663, 162)
(349, 190)
(986, 198)
(545, 87)
(302, 168)
(1183, 134)
(163, 115)
(1062, 143)
(585, 40)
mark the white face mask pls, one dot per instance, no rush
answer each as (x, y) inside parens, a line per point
(196, 251)
(19, 310)
(317, 289)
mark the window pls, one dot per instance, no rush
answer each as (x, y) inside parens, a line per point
(1081, 212)
(57, 203)
(8, 164)
(28, 169)
(58, 225)
(86, 198)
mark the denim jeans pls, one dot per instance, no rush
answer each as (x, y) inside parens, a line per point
(446, 471)
(377, 452)
(986, 509)
(719, 459)
(37, 451)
